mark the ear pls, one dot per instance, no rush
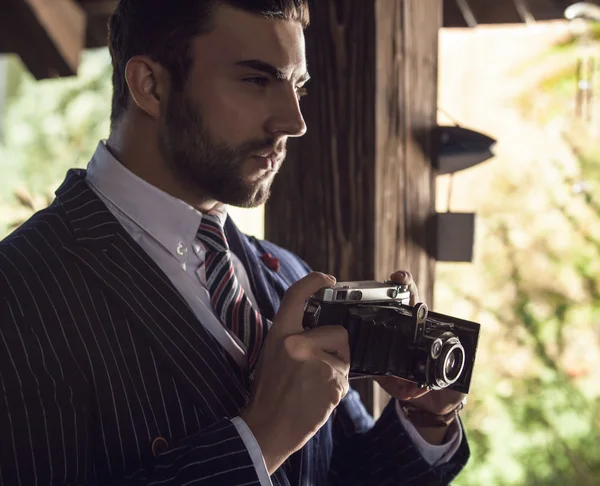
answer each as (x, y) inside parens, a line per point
(148, 83)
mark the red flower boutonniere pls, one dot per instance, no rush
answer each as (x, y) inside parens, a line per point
(270, 261)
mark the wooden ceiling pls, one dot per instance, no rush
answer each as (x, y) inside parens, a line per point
(468, 13)
(50, 35)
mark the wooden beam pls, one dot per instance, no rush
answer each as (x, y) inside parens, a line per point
(453, 17)
(495, 11)
(505, 11)
(356, 191)
(48, 35)
(549, 9)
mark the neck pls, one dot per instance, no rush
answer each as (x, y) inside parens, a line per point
(137, 149)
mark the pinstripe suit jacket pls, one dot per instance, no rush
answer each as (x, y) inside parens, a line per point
(107, 377)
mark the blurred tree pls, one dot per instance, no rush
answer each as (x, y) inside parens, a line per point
(535, 414)
(50, 126)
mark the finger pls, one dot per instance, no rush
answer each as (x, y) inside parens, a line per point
(301, 348)
(405, 278)
(412, 391)
(332, 340)
(331, 373)
(414, 294)
(288, 320)
(402, 277)
(402, 389)
(440, 401)
(338, 365)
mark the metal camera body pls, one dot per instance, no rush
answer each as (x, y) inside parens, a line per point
(388, 337)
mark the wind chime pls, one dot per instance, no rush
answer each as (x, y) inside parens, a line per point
(583, 17)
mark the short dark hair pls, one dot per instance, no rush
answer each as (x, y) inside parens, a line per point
(163, 30)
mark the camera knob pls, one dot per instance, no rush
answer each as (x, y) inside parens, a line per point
(392, 293)
(357, 295)
(420, 312)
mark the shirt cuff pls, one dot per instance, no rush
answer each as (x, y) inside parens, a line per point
(254, 450)
(433, 454)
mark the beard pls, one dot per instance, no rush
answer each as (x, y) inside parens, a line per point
(210, 168)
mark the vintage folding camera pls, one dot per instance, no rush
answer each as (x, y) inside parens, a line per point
(387, 336)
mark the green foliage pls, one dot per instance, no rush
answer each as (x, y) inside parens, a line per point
(51, 126)
(534, 417)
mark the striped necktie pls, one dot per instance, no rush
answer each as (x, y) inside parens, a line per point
(227, 296)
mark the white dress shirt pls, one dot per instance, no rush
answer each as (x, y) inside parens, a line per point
(165, 227)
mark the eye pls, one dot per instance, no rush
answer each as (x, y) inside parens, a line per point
(260, 81)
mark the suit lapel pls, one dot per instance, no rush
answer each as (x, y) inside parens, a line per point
(150, 301)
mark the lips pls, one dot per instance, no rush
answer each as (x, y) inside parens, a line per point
(266, 154)
(273, 155)
(272, 159)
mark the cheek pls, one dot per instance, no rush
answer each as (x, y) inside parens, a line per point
(234, 113)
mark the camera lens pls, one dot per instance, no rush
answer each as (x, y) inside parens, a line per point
(446, 366)
(450, 367)
(453, 363)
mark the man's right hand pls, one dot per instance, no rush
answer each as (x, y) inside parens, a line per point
(300, 378)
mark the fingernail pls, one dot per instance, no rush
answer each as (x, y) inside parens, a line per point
(331, 277)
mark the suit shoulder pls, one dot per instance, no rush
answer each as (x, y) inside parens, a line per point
(34, 244)
(49, 223)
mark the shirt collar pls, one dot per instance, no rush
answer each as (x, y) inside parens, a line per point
(170, 221)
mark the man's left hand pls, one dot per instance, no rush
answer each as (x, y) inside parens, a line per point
(437, 402)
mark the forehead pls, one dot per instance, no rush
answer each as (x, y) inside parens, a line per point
(238, 35)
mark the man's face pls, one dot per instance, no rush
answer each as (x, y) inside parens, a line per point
(225, 135)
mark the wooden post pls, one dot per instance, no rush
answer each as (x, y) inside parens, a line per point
(354, 195)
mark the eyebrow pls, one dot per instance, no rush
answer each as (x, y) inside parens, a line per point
(267, 68)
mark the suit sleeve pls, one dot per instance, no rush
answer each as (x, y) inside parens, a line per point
(46, 428)
(382, 453)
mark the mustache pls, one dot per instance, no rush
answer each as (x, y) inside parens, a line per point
(266, 145)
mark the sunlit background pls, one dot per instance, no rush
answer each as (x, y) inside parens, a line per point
(533, 414)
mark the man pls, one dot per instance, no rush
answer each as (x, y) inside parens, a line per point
(134, 345)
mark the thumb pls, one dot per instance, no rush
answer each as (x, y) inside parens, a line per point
(288, 320)
(406, 278)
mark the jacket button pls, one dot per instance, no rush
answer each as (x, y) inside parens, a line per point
(159, 445)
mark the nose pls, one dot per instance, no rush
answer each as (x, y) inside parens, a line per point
(286, 119)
